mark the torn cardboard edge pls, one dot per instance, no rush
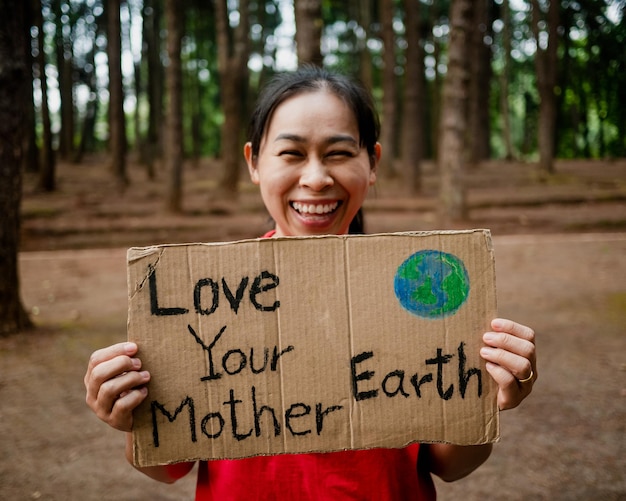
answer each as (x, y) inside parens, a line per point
(312, 344)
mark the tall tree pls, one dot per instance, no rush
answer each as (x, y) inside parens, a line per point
(88, 78)
(389, 85)
(47, 175)
(152, 14)
(117, 121)
(308, 15)
(64, 61)
(546, 62)
(174, 117)
(414, 90)
(453, 122)
(233, 53)
(364, 16)
(30, 158)
(15, 77)
(479, 83)
(504, 78)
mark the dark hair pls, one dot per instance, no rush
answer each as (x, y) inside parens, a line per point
(310, 78)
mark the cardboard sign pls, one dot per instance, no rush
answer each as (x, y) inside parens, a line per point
(291, 345)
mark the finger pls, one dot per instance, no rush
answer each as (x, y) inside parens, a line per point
(121, 416)
(518, 366)
(510, 392)
(113, 389)
(510, 327)
(105, 371)
(97, 357)
(513, 344)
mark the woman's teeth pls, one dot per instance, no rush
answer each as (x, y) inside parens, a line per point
(315, 208)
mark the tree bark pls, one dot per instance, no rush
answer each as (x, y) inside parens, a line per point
(15, 83)
(478, 129)
(174, 118)
(30, 157)
(233, 53)
(453, 116)
(152, 48)
(64, 60)
(505, 77)
(389, 84)
(546, 70)
(117, 121)
(308, 15)
(413, 108)
(47, 176)
(364, 10)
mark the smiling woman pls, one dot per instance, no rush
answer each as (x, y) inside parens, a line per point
(313, 151)
(312, 172)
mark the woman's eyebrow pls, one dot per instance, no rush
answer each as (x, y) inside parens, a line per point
(339, 138)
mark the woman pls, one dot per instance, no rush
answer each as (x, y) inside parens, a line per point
(313, 152)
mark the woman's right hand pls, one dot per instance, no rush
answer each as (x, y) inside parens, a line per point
(115, 384)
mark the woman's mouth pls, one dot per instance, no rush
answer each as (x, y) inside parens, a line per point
(315, 209)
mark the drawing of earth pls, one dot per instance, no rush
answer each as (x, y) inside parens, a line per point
(432, 284)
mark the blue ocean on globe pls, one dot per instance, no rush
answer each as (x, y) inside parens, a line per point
(432, 284)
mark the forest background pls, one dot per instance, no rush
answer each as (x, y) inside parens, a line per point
(173, 81)
(500, 114)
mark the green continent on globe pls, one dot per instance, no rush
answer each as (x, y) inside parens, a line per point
(432, 284)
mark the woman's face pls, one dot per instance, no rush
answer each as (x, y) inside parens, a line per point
(312, 173)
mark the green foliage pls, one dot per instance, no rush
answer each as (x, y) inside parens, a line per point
(591, 91)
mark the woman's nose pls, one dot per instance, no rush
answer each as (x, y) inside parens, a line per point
(316, 176)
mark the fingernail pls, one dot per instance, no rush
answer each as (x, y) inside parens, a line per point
(485, 351)
(488, 337)
(497, 323)
(130, 347)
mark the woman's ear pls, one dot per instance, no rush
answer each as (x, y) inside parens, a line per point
(250, 161)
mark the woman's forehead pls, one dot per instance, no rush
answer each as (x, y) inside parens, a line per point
(319, 111)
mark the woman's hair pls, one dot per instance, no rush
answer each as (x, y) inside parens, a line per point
(310, 78)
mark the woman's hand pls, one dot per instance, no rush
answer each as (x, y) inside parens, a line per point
(115, 384)
(511, 360)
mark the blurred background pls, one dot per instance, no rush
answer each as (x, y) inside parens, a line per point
(122, 124)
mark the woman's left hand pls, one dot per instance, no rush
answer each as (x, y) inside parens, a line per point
(511, 361)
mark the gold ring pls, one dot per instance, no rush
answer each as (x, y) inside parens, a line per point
(528, 379)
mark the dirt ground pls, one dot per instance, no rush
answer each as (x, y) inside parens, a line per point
(560, 246)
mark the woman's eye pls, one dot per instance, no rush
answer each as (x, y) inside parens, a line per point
(290, 153)
(340, 153)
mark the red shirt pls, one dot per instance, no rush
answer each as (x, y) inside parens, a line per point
(375, 474)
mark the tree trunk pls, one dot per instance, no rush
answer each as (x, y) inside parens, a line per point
(365, 58)
(413, 108)
(66, 85)
(47, 176)
(174, 118)
(233, 53)
(15, 84)
(504, 82)
(91, 108)
(152, 47)
(389, 84)
(453, 116)
(308, 15)
(436, 85)
(117, 121)
(478, 129)
(545, 65)
(30, 157)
